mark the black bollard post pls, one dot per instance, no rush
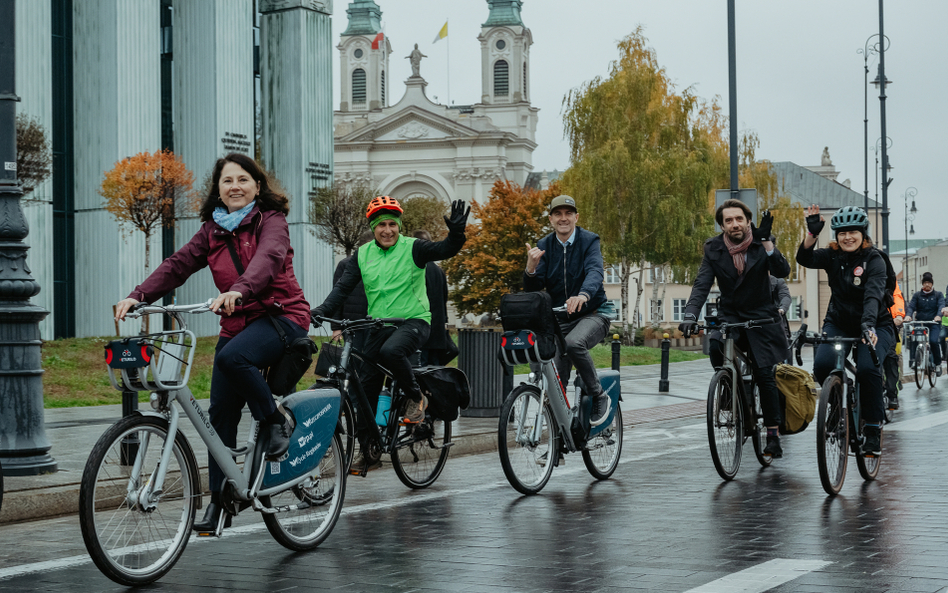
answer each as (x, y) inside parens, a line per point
(663, 382)
(616, 344)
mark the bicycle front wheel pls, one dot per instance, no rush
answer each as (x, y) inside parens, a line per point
(313, 506)
(921, 362)
(601, 454)
(930, 368)
(420, 452)
(832, 436)
(346, 431)
(868, 466)
(134, 529)
(725, 425)
(526, 442)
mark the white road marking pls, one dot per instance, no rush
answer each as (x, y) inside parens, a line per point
(917, 424)
(762, 577)
(59, 564)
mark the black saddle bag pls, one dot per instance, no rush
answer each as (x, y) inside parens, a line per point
(297, 358)
(446, 388)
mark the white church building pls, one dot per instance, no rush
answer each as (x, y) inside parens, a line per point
(415, 147)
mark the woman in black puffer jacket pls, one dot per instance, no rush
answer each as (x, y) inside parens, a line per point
(859, 306)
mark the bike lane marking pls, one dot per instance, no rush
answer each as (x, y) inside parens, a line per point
(63, 563)
(919, 423)
(762, 577)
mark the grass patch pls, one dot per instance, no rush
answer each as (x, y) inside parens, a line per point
(76, 374)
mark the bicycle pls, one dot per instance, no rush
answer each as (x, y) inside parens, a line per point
(923, 351)
(140, 487)
(837, 411)
(418, 451)
(727, 431)
(538, 424)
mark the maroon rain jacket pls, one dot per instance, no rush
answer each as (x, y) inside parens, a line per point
(268, 284)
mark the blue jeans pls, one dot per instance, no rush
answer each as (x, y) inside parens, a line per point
(934, 341)
(868, 374)
(581, 335)
(236, 380)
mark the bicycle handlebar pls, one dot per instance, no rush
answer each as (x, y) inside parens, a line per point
(915, 322)
(348, 324)
(729, 325)
(803, 337)
(140, 309)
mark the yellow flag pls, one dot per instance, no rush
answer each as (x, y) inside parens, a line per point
(442, 33)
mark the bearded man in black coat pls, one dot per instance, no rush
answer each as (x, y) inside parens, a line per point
(742, 259)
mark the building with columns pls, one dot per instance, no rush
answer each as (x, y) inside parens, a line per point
(112, 78)
(414, 147)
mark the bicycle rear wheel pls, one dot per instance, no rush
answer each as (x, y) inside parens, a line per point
(759, 431)
(346, 431)
(868, 466)
(526, 441)
(832, 436)
(134, 533)
(601, 454)
(725, 425)
(921, 361)
(930, 368)
(420, 452)
(314, 504)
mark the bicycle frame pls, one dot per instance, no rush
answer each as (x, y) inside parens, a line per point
(549, 383)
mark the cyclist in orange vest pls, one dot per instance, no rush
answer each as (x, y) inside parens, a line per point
(892, 365)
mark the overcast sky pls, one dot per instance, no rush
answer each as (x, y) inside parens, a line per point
(799, 76)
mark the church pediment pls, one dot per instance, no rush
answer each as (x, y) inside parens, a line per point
(412, 124)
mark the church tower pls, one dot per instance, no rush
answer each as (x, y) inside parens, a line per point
(363, 59)
(505, 54)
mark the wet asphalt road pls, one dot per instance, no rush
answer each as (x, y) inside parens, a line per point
(664, 522)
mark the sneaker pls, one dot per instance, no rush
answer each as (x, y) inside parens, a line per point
(280, 437)
(893, 403)
(773, 448)
(938, 371)
(602, 404)
(362, 465)
(415, 414)
(872, 441)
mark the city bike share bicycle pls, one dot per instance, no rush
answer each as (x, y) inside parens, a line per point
(418, 451)
(141, 484)
(924, 359)
(839, 423)
(732, 420)
(538, 423)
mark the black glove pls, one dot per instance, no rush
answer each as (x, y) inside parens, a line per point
(688, 326)
(458, 219)
(314, 313)
(814, 224)
(763, 232)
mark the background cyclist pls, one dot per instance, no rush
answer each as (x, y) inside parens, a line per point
(926, 305)
(892, 365)
(243, 210)
(742, 259)
(567, 263)
(392, 270)
(858, 307)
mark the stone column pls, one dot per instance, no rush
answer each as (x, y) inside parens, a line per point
(24, 448)
(296, 88)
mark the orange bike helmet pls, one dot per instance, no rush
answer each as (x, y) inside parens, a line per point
(382, 203)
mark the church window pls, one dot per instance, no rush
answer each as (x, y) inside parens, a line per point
(383, 88)
(501, 44)
(501, 78)
(357, 53)
(358, 85)
(525, 86)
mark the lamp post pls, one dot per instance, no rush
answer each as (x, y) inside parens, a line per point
(889, 168)
(866, 51)
(881, 82)
(910, 193)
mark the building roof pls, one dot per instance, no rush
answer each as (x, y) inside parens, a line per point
(365, 18)
(898, 245)
(806, 187)
(504, 13)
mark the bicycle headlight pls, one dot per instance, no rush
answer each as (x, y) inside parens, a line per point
(838, 346)
(332, 370)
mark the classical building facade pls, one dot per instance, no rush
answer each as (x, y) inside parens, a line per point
(415, 147)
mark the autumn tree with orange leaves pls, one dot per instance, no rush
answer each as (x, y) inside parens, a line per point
(492, 261)
(145, 191)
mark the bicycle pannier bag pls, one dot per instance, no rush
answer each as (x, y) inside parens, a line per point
(330, 355)
(297, 358)
(797, 398)
(531, 311)
(446, 388)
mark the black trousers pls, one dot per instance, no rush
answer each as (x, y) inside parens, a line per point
(392, 347)
(765, 377)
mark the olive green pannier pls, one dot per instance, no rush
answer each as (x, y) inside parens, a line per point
(797, 398)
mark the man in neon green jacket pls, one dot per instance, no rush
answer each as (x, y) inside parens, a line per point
(392, 269)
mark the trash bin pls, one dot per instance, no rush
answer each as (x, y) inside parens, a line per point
(478, 359)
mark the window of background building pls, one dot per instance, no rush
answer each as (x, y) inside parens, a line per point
(655, 274)
(678, 309)
(501, 78)
(617, 303)
(656, 304)
(612, 275)
(792, 313)
(358, 85)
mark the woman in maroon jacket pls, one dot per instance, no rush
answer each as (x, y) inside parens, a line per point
(244, 211)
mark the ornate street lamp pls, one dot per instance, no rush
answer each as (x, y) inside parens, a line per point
(881, 82)
(866, 51)
(910, 193)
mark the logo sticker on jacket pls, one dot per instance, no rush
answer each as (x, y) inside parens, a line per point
(858, 271)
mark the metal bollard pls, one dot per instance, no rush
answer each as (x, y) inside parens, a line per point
(663, 382)
(615, 351)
